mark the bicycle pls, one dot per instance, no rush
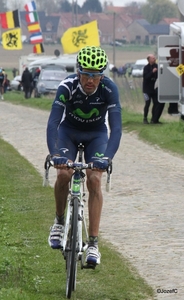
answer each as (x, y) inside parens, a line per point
(75, 239)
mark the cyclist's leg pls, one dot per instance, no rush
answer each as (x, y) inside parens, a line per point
(69, 150)
(94, 149)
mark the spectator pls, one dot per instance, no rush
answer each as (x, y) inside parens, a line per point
(2, 82)
(27, 82)
(14, 72)
(129, 71)
(36, 76)
(173, 109)
(6, 81)
(149, 91)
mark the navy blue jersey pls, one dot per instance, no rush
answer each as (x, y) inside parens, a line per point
(85, 112)
(1, 79)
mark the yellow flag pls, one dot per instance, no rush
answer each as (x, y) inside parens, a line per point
(76, 38)
(11, 39)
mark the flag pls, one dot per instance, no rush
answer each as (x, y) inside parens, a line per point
(38, 48)
(34, 27)
(32, 17)
(10, 19)
(75, 38)
(36, 38)
(30, 6)
(11, 39)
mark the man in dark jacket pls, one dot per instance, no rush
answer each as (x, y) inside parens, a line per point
(149, 91)
(27, 82)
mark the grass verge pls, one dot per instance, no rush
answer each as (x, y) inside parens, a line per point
(29, 268)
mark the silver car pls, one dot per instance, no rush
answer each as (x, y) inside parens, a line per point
(49, 81)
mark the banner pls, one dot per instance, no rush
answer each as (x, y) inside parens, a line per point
(34, 27)
(10, 19)
(38, 48)
(31, 17)
(76, 38)
(30, 6)
(11, 39)
(36, 38)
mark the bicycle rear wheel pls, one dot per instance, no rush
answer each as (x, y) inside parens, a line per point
(71, 257)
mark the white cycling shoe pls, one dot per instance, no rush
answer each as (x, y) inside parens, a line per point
(55, 239)
(93, 256)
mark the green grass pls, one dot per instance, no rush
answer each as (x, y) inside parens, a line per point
(17, 98)
(29, 268)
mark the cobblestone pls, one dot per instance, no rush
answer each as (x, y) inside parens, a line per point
(143, 215)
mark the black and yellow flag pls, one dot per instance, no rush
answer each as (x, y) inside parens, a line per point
(11, 39)
(76, 38)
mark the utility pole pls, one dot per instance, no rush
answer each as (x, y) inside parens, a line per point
(73, 15)
(76, 11)
(114, 38)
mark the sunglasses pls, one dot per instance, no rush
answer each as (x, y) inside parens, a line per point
(88, 75)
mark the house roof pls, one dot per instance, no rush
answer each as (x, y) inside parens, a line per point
(157, 29)
(169, 20)
(116, 9)
(43, 20)
(142, 22)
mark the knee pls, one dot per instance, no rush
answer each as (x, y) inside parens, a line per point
(63, 177)
(94, 181)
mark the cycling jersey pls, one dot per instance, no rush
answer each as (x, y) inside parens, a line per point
(77, 110)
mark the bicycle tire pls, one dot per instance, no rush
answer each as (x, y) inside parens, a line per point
(71, 258)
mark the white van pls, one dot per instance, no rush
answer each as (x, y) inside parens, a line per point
(137, 70)
(68, 62)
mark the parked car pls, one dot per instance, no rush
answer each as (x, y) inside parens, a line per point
(15, 84)
(137, 70)
(116, 43)
(49, 81)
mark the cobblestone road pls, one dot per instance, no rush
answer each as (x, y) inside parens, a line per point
(143, 215)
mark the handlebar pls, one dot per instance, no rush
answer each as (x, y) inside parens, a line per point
(75, 166)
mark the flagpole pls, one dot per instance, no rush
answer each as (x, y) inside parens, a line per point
(76, 6)
(40, 28)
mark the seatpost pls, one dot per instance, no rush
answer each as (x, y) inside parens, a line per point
(80, 149)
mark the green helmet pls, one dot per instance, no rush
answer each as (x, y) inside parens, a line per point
(91, 57)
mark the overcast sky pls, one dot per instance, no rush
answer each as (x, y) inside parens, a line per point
(118, 2)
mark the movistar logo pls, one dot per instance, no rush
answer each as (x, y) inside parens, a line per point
(62, 98)
(99, 154)
(83, 115)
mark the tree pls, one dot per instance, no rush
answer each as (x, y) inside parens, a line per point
(92, 5)
(48, 6)
(3, 6)
(65, 6)
(155, 10)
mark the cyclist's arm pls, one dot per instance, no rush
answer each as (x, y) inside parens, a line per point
(114, 119)
(115, 124)
(56, 115)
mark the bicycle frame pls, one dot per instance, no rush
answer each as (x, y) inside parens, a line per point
(77, 193)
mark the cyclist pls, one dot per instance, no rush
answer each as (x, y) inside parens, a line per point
(78, 115)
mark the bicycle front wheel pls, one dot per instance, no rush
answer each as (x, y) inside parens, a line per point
(71, 257)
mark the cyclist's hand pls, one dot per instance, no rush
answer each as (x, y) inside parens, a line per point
(59, 161)
(101, 163)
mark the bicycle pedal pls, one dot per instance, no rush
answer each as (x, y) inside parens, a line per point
(89, 266)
